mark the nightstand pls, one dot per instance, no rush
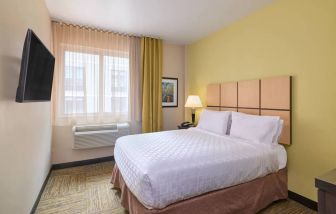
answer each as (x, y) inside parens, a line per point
(326, 185)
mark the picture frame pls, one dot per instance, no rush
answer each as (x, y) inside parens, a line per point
(169, 92)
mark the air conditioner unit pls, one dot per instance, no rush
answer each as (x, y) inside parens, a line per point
(95, 136)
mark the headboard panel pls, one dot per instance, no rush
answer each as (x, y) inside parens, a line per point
(269, 96)
(213, 95)
(248, 94)
(229, 95)
(276, 93)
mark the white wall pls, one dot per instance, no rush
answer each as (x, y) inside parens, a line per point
(62, 151)
(174, 66)
(25, 130)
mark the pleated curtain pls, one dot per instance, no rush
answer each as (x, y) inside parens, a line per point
(97, 77)
(151, 55)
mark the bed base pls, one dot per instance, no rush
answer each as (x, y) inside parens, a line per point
(248, 198)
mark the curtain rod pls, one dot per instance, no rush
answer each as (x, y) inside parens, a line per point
(99, 29)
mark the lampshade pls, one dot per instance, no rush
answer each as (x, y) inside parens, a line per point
(193, 101)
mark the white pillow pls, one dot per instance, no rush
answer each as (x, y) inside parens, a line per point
(260, 129)
(214, 121)
(279, 132)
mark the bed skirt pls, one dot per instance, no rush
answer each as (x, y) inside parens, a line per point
(249, 197)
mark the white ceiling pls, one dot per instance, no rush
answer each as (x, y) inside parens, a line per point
(178, 21)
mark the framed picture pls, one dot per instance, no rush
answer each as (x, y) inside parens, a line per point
(169, 92)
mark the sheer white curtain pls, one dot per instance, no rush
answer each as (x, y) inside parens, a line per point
(97, 76)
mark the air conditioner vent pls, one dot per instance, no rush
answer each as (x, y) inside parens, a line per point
(95, 136)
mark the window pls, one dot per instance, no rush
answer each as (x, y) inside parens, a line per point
(97, 77)
(116, 79)
(95, 84)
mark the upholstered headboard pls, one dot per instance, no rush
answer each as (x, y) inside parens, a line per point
(269, 96)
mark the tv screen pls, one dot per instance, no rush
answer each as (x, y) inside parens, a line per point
(37, 69)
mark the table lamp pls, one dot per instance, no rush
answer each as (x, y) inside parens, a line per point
(193, 102)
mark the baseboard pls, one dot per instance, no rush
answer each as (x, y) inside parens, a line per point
(40, 193)
(302, 200)
(81, 163)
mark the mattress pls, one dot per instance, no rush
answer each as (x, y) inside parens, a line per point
(165, 167)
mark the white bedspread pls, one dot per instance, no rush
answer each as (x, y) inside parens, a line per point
(165, 167)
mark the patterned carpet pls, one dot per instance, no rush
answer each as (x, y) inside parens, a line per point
(87, 190)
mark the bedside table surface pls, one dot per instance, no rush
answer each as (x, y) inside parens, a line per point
(326, 185)
(327, 181)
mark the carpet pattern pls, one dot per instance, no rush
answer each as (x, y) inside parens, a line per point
(87, 190)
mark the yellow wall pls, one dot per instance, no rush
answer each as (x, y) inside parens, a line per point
(288, 37)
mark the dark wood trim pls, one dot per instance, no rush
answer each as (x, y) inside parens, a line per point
(227, 107)
(266, 109)
(291, 107)
(33, 210)
(249, 108)
(302, 200)
(172, 78)
(237, 97)
(274, 109)
(220, 94)
(216, 106)
(223, 106)
(259, 96)
(81, 163)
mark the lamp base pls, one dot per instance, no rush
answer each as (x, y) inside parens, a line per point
(193, 118)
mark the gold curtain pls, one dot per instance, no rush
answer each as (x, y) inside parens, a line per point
(151, 56)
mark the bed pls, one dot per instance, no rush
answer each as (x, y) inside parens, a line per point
(198, 171)
(163, 168)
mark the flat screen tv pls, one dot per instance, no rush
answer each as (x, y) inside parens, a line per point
(37, 69)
